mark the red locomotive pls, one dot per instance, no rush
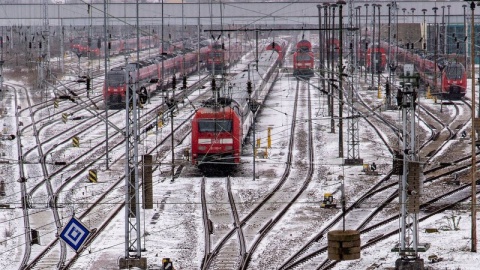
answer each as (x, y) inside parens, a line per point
(220, 126)
(222, 55)
(151, 77)
(376, 59)
(303, 59)
(452, 80)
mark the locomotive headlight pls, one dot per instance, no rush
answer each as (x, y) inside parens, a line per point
(202, 148)
(228, 147)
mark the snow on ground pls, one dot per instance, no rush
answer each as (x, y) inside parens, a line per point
(177, 233)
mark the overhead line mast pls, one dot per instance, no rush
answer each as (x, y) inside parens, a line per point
(353, 137)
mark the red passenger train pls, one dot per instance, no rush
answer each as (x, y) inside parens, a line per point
(454, 81)
(376, 59)
(82, 46)
(222, 55)
(154, 74)
(220, 126)
(303, 59)
(451, 82)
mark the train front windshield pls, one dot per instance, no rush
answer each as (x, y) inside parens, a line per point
(303, 57)
(215, 125)
(454, 72)
(116, 79)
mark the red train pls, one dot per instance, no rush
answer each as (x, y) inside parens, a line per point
(116, 46)
(171, 47)
(279, 47)
(362, 51)
(220, 126)
(151, 76)
(451, 82)
(222, 55)
(376, 59)
(303, 59)
(454, 81)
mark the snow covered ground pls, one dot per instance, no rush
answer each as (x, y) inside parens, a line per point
(173, 228)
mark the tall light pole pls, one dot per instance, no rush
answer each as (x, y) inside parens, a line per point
(424, 34)
(320, 41)
(366, 40)
(340, 4)
(435, 50)
(404, 22)
(378, 47)
(474, 158)
(465, 39)
(446, 29)
(358, 11)
(373, 54)
(444, 38)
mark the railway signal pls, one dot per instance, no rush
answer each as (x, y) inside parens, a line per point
(174, 82)
(143, 96)
(88, 82)
(184, 82)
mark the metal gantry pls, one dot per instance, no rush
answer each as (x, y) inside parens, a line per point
(411, 178)
(133, 247)
(408, 234)
(391, 55)
(353, 141)
(44, 51)
(132, 208)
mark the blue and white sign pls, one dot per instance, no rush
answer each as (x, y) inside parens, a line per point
(74, 234)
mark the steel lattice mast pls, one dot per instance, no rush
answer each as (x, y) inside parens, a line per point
(412, 174)
(132, 206)
(392, 55)
(353, 142)
(45, 49)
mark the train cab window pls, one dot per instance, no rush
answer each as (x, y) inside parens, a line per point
(454, 72)
(215, 125)
(303, 57)
(116, 79)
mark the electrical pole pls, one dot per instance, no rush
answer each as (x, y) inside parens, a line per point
(474, 158)
(340, 78)
(106, 52)
(411, 179)
(353, 145)
(133, 256)
(378, 49)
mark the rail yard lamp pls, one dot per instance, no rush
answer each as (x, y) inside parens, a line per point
(435, 49)
(378, 48)
(474, 159)
(465, 40)
(358, 11)
(446, 28)
(444, 38)
(340, 73)
(372, 57)
(366, 38)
